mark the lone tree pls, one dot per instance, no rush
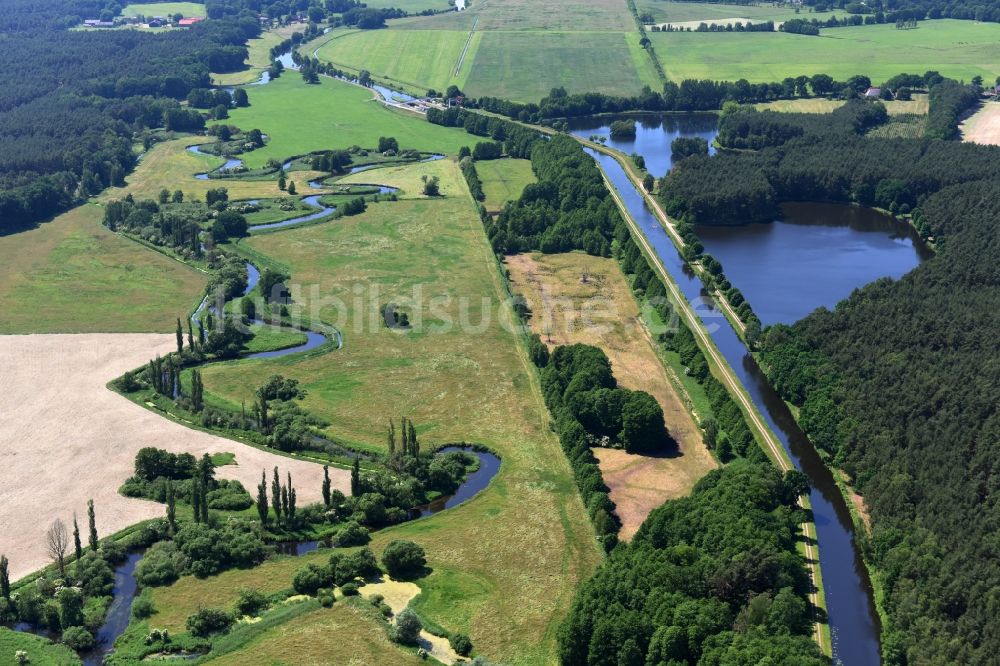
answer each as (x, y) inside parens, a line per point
(403, 559)
(326, 486)
(262, 498)
(432, 185)
(180, 336)
(4, 578)
(356, 477)
(57, 541)
(93, 525)
(171, 507)
(276, 495)
(77, 545)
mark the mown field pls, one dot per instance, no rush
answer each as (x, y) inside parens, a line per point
(505, 564)
(503, 180)
(72, 275)
(300, 118)
(417, 59)
(918, 105)
(666, 11)
(957, 49)
(258, 59)
(506, 15)
(167, 9)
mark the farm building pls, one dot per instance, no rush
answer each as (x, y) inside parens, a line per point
(188, 22)
(873, 93)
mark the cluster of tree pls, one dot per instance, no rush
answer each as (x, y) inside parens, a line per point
(518, 140)
(67, 122)
(799, 26)
(487, 150)
(468, 168)
(166, 477)
(370, 18)
(568, 208)
(580, 388)
(897, 384)
(830, 164)
(738, 26)
(683, 146)
(753, 130)
(201, 549)
(947, 103)
(623, 129)
(712, 578)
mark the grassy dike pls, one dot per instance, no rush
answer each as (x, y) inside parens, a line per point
(720, 368)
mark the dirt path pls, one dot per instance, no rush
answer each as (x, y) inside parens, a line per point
(66, 438)
(983, 126)
(602, 312)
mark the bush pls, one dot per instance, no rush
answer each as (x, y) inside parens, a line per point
(461, 644)
(326, 599)
(142, 607)
(208, 621)
(161, 565)
(352, 534)
(78, 638)
(250, 602)
(408, 627)
(403, 559)
(349, 589)
(310, 578)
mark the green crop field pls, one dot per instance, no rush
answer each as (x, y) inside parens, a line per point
(411, 6)
(525, 66)
(41, 651)
(300, 118)
(72, 275)
(505, 564)
(503, 180)
(150, 9)
(416, 58)
(666, 11)
(958, 49)
(561, 15)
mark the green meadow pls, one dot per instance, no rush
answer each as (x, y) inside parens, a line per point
(300, 118)
(505, 564)
(150, 9)
(667, 11)
(40, 651)
(957, 49)
(72, 275)
(503, 180)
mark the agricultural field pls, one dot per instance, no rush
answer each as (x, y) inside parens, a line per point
(677, 13)
(72, 275)
(957, 49)
(301, 118)
(167, 9)
(916, 106)
(505, 564)
(581, 46)
(577, 298)
(503, 180)
(983, 126)
(390, 55)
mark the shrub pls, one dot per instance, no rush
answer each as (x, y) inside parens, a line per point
(162, 564)
(461, 644)
(360, 564)
(403, 559)
(349, 589)
(310, 578)
(208, 621)
(78, 638)
(408, 627)
(352, 534)
(142, 607)
(326, 599)
(250, 602)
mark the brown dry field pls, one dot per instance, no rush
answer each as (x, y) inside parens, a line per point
(983, 126)
(66, 438)
(556, 295)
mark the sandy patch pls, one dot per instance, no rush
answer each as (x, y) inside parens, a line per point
(983, 126)
(65, 438)
(398, 595)
(601, 311)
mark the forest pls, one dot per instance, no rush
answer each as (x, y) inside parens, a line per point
(896, 384)
(712, 578)
(67, 121)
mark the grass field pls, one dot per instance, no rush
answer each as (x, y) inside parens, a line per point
(505, 565)
(349, 633)
(416, 58)
(300, 118)
(918, 105)
(503, 180)
(407, 177)
(71, 275)
(41, 651)
(168, 9)
(957, 49)
(258, 59)
(603, 312)
(665, 11)
(525, 66)
(506, 15)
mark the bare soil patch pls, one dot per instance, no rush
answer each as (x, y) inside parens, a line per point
(599, 309)
(66, 438)
(983, 126)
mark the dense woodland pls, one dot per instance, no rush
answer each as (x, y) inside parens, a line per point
(898, 383)
(69, 119)
(712, 578)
